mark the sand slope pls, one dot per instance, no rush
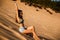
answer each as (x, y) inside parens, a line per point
(46, 25)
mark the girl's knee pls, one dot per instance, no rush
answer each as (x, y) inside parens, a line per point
(31, 27)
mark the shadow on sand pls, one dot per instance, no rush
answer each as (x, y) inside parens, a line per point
(48, 11)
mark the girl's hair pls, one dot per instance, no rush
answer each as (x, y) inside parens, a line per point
(20, 12)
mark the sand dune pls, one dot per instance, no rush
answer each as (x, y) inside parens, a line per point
(46, 24)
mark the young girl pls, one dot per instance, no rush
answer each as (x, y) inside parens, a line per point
(22, 27)
(19, 17)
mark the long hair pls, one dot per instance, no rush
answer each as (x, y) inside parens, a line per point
(19, 14)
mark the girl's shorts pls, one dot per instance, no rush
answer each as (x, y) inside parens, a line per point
(21, 29)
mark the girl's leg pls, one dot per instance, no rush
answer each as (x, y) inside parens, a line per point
(32, 30)
(35, 36)
(28, 30)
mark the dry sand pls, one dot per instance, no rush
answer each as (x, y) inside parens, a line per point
(46, 25)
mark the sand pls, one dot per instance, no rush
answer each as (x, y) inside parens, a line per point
(46, 24)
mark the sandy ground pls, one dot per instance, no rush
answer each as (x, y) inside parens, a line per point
(46, 24)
